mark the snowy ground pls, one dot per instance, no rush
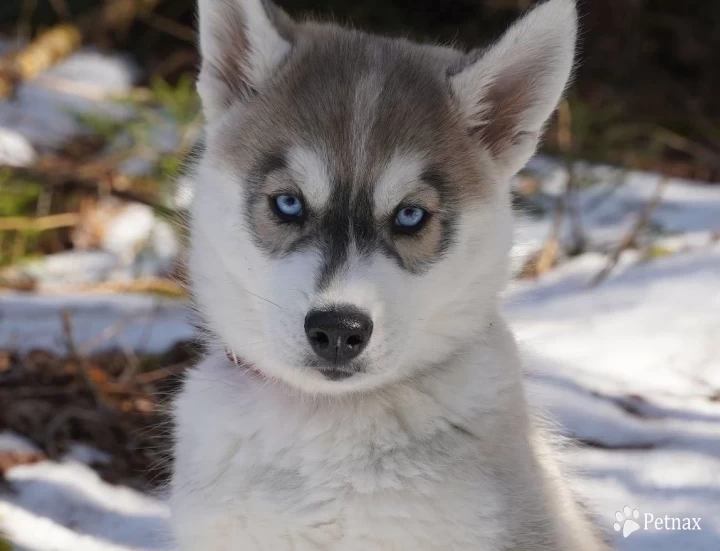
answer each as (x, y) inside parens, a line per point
(633, 368)
(66, 507)
(142, 323)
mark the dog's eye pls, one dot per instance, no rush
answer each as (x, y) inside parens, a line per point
(410, 219)
(288, 208)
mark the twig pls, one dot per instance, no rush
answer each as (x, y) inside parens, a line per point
(61, 8)
(176, 61)
(576, 227)
(40, 223)
(682, 143)
(565, 143)
(133, 364)
(111, 331)
(170, 27)
(74, 353)
(91, 91)
(142, 285)
(548, 255)
(47, 49)
(160, 374)
(566, 206)
(545, 259)
(630, 238)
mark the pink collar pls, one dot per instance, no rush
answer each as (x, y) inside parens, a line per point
(240, 363)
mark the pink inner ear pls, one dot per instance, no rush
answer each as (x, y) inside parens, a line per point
(508, 99)
(508, 93)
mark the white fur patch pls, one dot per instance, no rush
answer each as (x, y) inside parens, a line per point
(267, 48)
(311, 174)
(395, 182)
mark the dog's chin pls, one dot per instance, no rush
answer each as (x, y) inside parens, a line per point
(322, 379)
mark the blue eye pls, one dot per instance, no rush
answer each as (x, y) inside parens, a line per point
(410, 219)
(288, 207)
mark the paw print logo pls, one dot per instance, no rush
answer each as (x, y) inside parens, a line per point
(627, 521)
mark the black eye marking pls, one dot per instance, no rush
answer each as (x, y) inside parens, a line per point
(435, 177)
(270, 162)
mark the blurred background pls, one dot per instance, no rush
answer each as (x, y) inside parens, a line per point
(616, 268)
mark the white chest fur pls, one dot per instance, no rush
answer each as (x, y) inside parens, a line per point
(444, 463)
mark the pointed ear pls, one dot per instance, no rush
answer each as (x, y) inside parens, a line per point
(242, 43)
(507, 92)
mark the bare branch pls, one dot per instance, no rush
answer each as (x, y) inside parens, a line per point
(630, 238)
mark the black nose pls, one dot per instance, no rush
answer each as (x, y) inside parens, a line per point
(338, 335)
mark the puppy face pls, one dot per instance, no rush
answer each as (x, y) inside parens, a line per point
(351, 220)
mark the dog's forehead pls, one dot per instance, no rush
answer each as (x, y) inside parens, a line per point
(364, 99)
(391, 180)
(357, 101)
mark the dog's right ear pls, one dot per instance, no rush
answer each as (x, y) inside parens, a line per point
(242, 43)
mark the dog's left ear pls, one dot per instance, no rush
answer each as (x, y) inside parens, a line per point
(507, 92)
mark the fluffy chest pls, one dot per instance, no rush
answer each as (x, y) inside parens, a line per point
(309, 498)
(312, 482)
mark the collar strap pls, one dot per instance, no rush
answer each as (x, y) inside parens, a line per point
(234, 359)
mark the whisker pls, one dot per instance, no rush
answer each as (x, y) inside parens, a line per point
(224, 265)
(257, 296)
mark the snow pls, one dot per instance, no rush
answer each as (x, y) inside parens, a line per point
(143, 323)
(628, 369)
(659, 317)
(73, 267)
(43, 113)
(15, 149)
(143, 242)
(679, 483)
(133, 243)
(65, 506)
(10, 442)
(631, 368)
(608, 207)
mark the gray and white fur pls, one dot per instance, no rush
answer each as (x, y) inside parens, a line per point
(362, 391)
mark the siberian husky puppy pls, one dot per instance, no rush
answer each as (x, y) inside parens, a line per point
(349, 237)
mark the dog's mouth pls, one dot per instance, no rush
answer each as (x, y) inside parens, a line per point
(336, 374)
(335, 371)
(331, 374)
